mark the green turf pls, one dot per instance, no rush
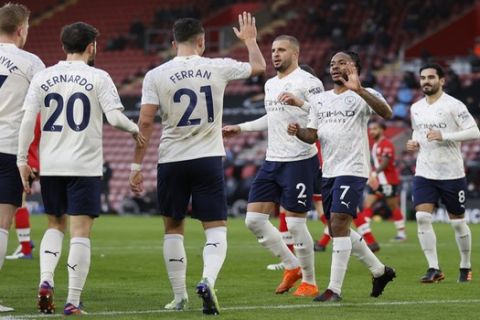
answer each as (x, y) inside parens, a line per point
(128, 276)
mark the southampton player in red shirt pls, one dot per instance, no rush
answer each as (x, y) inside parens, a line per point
(22, 216)
(384, 180)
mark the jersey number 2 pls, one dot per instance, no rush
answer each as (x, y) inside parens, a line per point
(50, 123)
(185, 120)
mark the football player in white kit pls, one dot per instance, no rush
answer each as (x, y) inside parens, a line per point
(72, 97)
(17, 68)
(287, 175)
(188, 91)
(440, 123)
(339, 120)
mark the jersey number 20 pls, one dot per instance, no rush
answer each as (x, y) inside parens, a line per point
(186, 120)
(50, 123)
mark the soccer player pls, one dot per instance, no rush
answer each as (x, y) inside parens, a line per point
(17, 68)
(338, 118)
(22, 216)
(188, 90)
(72, 97)
(287, 175)
(440, 123)
(384, 180)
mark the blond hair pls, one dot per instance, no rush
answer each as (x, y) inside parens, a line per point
(12, 16)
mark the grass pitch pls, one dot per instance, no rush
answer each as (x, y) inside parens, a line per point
(128, 280)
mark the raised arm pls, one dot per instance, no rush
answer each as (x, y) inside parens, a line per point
(353, 83)
(247, 33)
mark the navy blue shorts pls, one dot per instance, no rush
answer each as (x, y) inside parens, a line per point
(385, 190)
(11, 188)
(317, 184)
(342, 194)
(71, 195)
(451, 192)
(287, 183)
(199, 179)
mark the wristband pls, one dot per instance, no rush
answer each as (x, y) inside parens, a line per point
(135, 167)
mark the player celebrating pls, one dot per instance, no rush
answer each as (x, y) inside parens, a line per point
(72, 97)
(384, 180)
(288, 173)
(338, 118)
(16, 71)
(188, 91)
(440, 123)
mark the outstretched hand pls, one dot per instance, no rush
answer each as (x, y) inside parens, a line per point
(247, 29)
(353, 83)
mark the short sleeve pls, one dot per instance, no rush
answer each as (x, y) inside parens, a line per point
(312, 116)
(233, 70)
(387, 150)
(108, 94)
(376, 94)
(149, 90)
(314, 88)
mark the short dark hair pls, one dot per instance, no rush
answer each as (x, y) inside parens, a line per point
(186, 29)
(12, 16)
(355, 58)
(77, 36)
(307, 68)
(433, 65)
(380, 123)
(294, 41)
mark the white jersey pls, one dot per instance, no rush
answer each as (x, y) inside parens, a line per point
(281, 145)
(439, 160)
(189, 92)
(341, 121)
(17, 68)
(72, 98)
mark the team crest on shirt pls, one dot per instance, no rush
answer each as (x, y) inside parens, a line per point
(287, 87)
(349, 100)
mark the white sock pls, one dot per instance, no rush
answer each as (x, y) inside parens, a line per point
(365, 255)
(78, 266)
(400, 225)
(214, 253)
(287, 237)
(364, 228)
(176, 264)
(326, 231)
(3, 245)
(303, 244)
(463, 236)
(269, 237)
(427, 238)
(50, 252)
(342, 247)
(23, 234)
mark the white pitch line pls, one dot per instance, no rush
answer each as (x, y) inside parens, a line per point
(246, 308)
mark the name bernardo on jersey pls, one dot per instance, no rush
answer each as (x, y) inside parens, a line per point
(63, 78)
(187, 74)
